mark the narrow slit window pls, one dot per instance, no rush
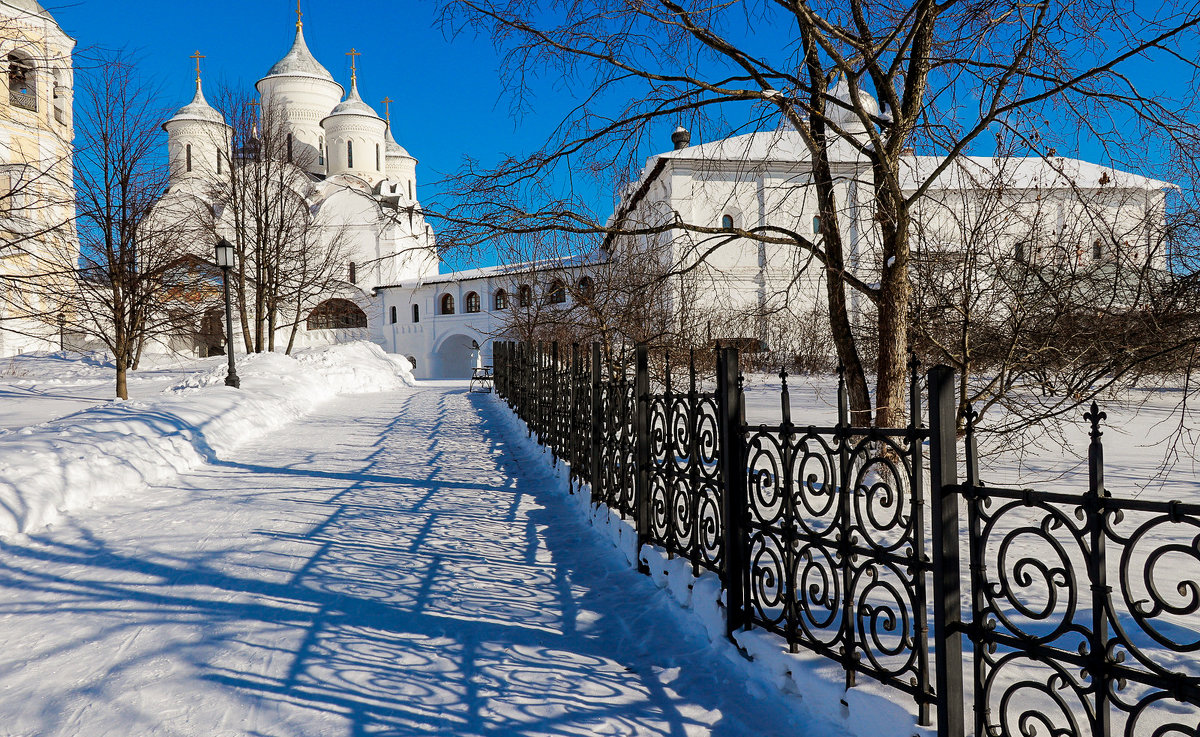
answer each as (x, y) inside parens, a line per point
(349, 154)
(189, 157)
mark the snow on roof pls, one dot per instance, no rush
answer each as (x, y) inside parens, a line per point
(299, 61)
(197, 110)
(787, 146)
(484, 272)
(1023, 172)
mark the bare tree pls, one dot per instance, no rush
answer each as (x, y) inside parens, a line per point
(858, 80)
(288, 254)
(129, 275)
(1080, 300)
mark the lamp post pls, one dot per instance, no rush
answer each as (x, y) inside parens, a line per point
(225, 260)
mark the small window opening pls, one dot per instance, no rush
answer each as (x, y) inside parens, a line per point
(377, 166)
(500, 300)
(816, 224)
(189, 157)
(557, 294)
(416, 313)
(726, 221)
(353, 273)
(289, 147)
(393, 314)
(447, 304)
(321, 150)
(1097, 250)
(349, 154)
(471, 302)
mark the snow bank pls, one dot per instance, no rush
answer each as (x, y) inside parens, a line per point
(817, 683)
(125, 446)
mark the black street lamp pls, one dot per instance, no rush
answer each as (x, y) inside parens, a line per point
(225, 260)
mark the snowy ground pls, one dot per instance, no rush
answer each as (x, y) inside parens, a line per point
(279, 561)
(40, 387)
(387, 566)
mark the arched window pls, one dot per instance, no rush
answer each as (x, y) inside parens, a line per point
(413, 361)
(524, 295)
(336, 314)
(393, 314)
(321, 150)
(189, 157)
(1097, 250)
(816, 224)
(726, 221)
(587, 288)
(471, 302)
(500, 300)
(349, 154)
(557, 294)
(22, 83)
(447, 304)
(353, 273)
(416, 313)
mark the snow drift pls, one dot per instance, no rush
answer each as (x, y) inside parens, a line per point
(125, 446)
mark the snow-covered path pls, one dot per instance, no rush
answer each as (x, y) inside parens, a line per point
(389, 567)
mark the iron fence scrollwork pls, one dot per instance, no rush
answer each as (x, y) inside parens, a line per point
(1082, 608)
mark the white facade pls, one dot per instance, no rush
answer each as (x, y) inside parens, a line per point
(37, 191)
(358, 183)
(448, 344)
(741, 288)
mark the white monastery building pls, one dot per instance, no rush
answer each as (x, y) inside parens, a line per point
(1055, 211)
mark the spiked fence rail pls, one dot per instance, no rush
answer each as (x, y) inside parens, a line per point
(825, 536)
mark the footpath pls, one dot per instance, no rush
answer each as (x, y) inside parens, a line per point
(390, 566)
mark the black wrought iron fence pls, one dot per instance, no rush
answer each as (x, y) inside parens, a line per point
(1083, 608)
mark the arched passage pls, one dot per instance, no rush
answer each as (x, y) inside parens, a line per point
(455, 357)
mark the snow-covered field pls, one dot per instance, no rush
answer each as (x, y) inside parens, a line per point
(66, 444)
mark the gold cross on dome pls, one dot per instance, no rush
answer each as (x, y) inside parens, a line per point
(299, 16)
(197, 56)
(254, 105)
(353, 54)
(387, 109)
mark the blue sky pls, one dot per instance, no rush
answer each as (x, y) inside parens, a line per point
(450, 101)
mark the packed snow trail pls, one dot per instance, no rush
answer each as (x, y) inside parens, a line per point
(390, 566)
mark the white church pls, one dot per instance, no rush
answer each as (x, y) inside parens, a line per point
(365, 184)
(345, 164)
